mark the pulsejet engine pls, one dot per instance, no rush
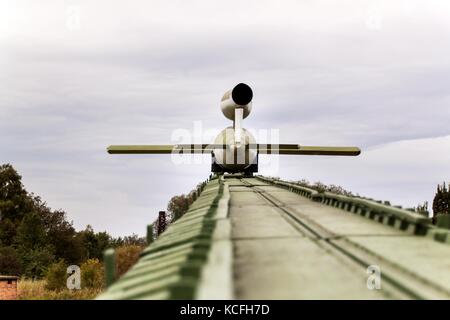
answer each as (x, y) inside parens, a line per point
(235, 149)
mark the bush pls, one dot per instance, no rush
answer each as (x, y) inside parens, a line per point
(92, 274)
(126, 257)
(9, 261)
(320, 187)
(36, 262)
(56, 276)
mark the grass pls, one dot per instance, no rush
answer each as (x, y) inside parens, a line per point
(92, 269)
(35, 290)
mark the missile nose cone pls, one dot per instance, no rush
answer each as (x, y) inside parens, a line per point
(242, 94)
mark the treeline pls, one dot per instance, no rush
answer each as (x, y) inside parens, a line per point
(321, 187)
(32, 236)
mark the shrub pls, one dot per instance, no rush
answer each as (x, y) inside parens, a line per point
(9, 261)
(320, 187)
(56, 276)
(36, 262)
(126, 257)
(92, 274)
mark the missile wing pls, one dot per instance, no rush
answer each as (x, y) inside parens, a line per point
(284, 149)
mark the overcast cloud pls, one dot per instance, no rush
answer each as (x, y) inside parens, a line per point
(370, 73)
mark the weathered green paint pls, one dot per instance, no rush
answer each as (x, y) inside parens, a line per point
(443, 221)
(170, 267)
(109, 260)
(344, 201)
(149, 234)
(271, 225)
(289, 242)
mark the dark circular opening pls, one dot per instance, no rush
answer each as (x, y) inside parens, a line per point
(242, 94)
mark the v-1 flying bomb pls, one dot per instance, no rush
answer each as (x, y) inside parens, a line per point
(235, 149)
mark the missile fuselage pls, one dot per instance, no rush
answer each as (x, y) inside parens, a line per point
(236, 105)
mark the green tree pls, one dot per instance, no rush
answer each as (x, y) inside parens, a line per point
(422, 209)
(62, 236)
(7, 232)
(441, 201)
(94, 243)
(14, 201)
(10, 263)
(56, 276)
(36, 261)
(31, 233)
(178, 206)
(134, 239)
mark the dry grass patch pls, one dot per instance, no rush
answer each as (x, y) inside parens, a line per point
(35, 290)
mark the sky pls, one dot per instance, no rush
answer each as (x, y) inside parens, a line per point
(79, 75)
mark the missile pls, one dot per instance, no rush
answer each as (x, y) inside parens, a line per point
(235, 149)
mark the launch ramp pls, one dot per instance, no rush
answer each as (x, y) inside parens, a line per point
(262, 238)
